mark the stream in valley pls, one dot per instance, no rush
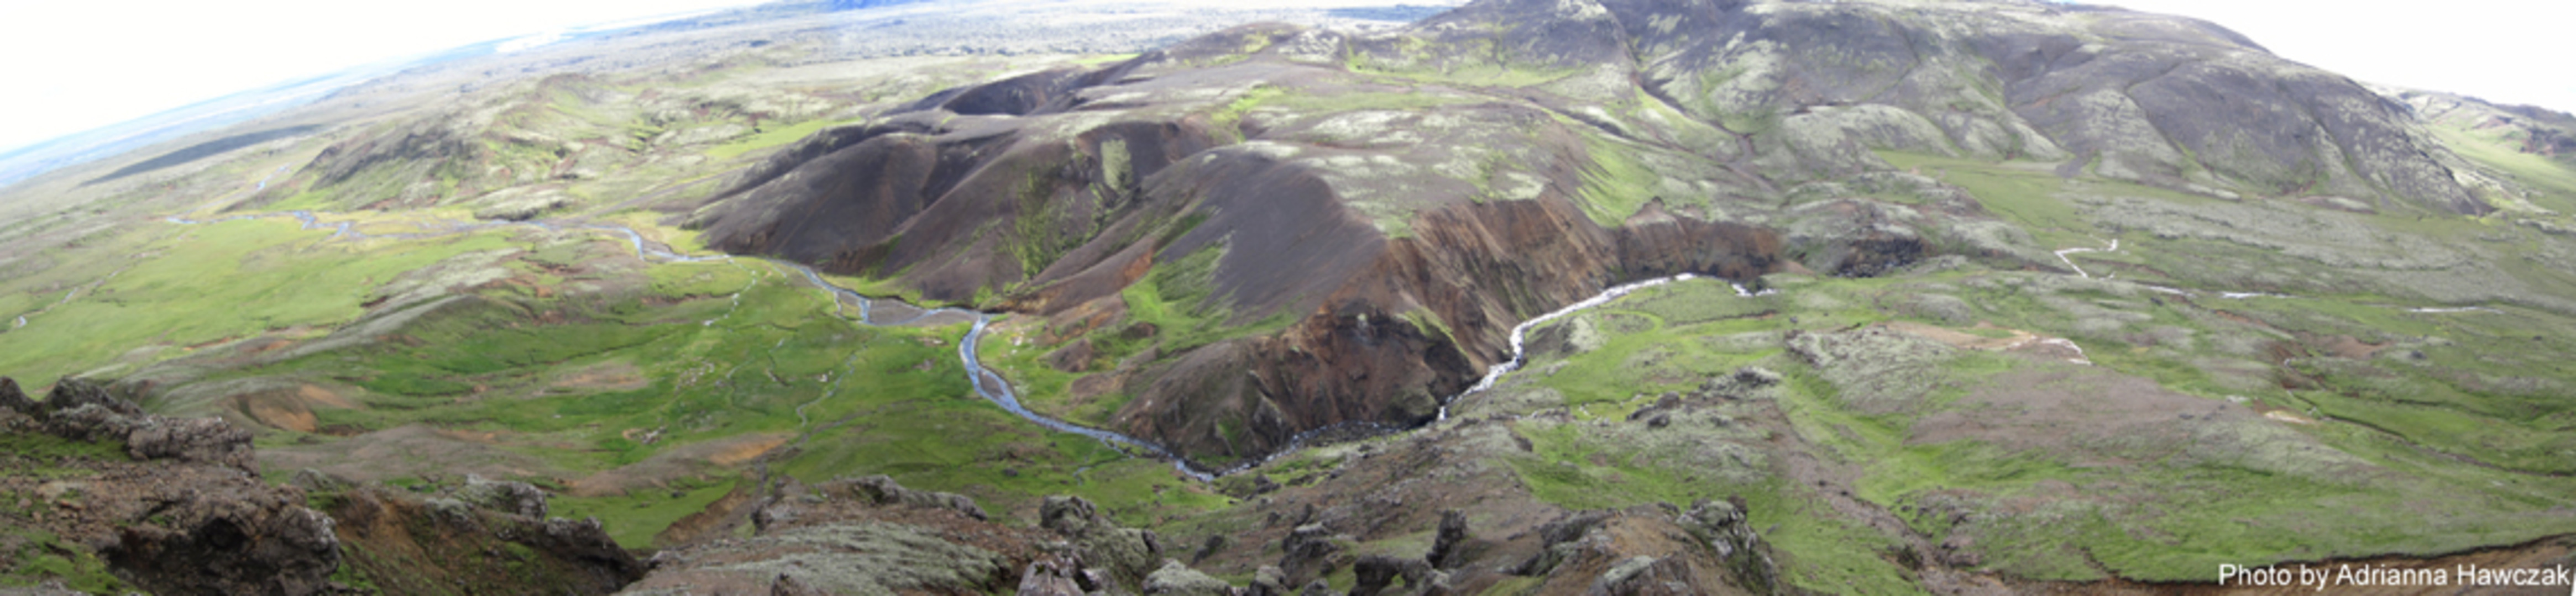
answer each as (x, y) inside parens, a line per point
(992, 387)
(989, 385)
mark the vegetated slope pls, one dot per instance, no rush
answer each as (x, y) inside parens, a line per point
(1245, 222)
(2532, 146)
(1961, 430)
(1275, 229)
(545, 145)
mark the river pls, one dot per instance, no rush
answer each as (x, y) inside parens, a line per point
(987, 384)
(992, 387)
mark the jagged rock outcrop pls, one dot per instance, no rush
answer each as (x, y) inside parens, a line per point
(872, 535)
(1053, 577)
(515, 498)
(1268, 580)
(1176, 579)
(1648, 576)
(169, 505)
(1448, 544)
(1653, 550)
(882, 490)
(483, 536)
(1721, 526)
(1375, 574)
(1308, 552)
(1124, 555)
(81, 410)
(863, 536)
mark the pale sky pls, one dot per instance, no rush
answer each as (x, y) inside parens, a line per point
(2503, 51)
(72, 65)
(75, 65)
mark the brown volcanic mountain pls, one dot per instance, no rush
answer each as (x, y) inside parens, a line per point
(1403, 198)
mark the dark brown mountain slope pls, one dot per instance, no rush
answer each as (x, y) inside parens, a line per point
(1511, 156)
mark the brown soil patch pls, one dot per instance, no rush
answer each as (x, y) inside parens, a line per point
(290, 409)
(685, 461)
(1072, 358)
(711, 522)
(1084, 318)
(264, 345)
(2248, 321)
(1090, 387)
(316, 395)
(614, 376)
(208, 343)
(409, 451)
(272, 414)
(2346, 346)
(743, 452)
(887, 311)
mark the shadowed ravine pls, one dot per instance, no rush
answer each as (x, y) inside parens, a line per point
(992, 387)
(988, 384)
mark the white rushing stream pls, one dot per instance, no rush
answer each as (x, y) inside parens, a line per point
(1520, 333)
(992, 387)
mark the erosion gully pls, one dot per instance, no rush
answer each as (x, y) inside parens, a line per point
(992, 387)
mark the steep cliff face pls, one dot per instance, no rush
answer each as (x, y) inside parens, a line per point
(1353, 222)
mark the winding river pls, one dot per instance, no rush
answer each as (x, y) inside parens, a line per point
(992, 387)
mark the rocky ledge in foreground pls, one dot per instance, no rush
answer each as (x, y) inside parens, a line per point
(102, 497)
(97, 496)
(871, 536)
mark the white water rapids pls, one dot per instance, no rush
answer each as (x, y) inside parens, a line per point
(1520, 333)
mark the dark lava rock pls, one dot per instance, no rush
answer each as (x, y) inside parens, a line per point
(1722, 526)
(518, 498)
(1308, 552)
(1448, 546)
(1050, 578)
(1176, 579)
(1375, 573)
(415, 541)
(1126, 554)
(80, 410)
(184, 516)
(882, 490)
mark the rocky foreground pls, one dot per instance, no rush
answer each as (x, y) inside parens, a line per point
(127, 500)
(104, 498)
(101, 497)
(137, 501)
